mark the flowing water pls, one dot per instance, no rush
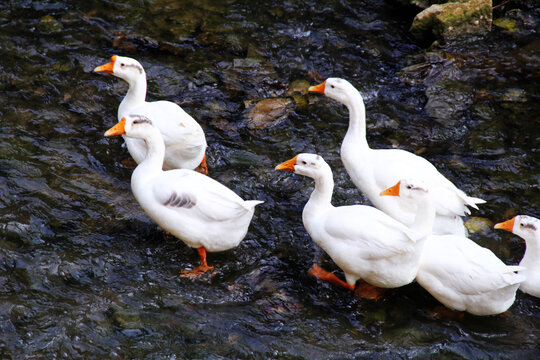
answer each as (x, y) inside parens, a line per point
(85, 274)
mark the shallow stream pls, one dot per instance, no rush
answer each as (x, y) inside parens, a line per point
(85, 274)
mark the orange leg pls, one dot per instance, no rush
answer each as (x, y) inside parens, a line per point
(368, 291)
(201, 269)
(322, 274)
(202, 168)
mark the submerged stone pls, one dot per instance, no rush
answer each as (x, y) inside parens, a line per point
(479, 225)
(268, 112)
(515, 96)
(49, 24)
(298, 87)
(506, 23)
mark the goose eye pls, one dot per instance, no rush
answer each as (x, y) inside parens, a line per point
(409, 187)
(304, 163)
(332, 86)
(122, 64)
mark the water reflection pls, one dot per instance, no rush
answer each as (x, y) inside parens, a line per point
(85, 274)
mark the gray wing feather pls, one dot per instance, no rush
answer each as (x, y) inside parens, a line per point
(180, 200)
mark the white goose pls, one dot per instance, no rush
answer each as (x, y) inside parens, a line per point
(528, 228)
(184, 138)
(198, 210)
(373, 170)
(459, 273)
(363, 241)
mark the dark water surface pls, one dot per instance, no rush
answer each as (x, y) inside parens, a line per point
(84, 273)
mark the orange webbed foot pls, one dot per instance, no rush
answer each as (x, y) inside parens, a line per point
(201, 269)
(198, 272)
(368, 291)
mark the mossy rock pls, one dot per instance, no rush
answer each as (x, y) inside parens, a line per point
(479, 225)
(453, 19)
(298, 87)
(50, 25)
(506, 23)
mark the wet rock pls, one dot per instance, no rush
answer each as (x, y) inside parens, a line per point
(515, 96)
(249, 75)
(187, 24)
(298, 87)
(452, 19)
(49, 24)
(244, 158)
(479, 225)
(268, 112)
(126, 319)
(20, 314)
(255, 52)
(121, 42)
(506, 23)
(298, 90)
(447, 99)
(447, 89)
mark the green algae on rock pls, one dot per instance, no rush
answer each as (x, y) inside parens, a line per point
(452, 19)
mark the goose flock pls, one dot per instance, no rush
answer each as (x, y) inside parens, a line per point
(414, 231)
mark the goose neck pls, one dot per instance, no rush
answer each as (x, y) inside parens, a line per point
(321, 197)
(357, 120)
(424, 220)
(532, 254)
(155, 154)
(136, 93)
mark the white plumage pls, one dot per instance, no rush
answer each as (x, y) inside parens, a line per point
(458, 272)
(363, 241)
(184, 138)
(200, 211)
(527, 228)
(373, 170)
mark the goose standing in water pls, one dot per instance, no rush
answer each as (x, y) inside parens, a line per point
(198, 210)
(373, 170)
(363, 241)
(185, 143)
(459, 273)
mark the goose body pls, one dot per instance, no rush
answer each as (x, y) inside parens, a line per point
(373, 170)
(184, 138)
(467, 277)
(528, 228)
(458, 272)
(363, 241)
(200, 211)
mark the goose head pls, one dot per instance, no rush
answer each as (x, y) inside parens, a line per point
(524, 226)
(123, 67)
(310, 165)
(413, 189)
(134, 126)
(335, 88)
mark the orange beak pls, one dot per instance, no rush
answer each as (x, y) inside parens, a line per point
(118, 129)
(393, 191)
(318, 88)
(107, 68)
(287, 165)
(508, 225)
